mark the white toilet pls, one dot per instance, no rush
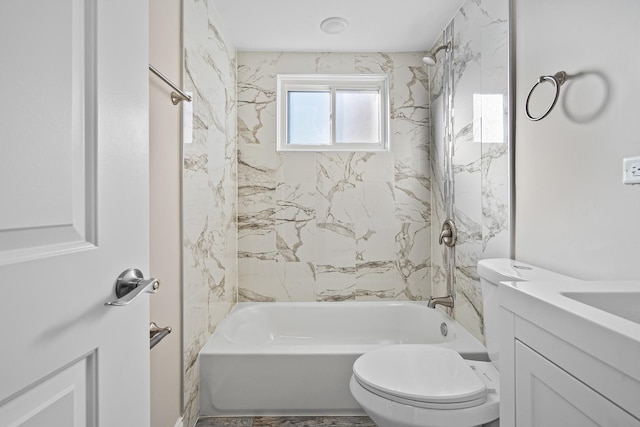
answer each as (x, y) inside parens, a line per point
(421, 385)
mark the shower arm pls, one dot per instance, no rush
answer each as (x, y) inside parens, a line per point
(430, 57)
(446, 47)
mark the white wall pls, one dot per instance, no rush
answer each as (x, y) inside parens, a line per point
(573, 214)
(165, 241)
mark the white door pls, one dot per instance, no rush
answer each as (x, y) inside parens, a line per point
(73, 212)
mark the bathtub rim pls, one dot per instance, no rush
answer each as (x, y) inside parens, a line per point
(217, 344)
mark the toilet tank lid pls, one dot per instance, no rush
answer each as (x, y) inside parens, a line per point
(497, 270)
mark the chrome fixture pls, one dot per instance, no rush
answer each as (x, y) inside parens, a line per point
(444, 329)
(430, 58)
(444, 301)
(449, 234)
(156, 334)
(175, 97)
(556, 80)
(130, 284)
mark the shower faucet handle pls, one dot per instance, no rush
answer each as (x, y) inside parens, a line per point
(449, 234)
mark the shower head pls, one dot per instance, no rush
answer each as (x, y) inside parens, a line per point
(430, 58)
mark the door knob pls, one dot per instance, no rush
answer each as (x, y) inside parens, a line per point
(449, 234)
(131, 284)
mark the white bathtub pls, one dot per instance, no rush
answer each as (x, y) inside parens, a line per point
(296, 358)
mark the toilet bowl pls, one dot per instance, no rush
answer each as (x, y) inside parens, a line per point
(421, 385)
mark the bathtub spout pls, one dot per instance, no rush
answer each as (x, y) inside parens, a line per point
(445, 301)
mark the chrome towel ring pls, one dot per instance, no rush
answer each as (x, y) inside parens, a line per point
(557, 80)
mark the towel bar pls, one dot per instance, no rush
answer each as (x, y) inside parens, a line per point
(175, 97)
(156, 334)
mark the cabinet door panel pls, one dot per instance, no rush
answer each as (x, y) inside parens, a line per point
(548, 396)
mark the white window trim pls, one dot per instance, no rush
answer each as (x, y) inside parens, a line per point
(331, 82)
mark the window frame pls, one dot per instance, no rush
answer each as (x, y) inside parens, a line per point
(332, 82)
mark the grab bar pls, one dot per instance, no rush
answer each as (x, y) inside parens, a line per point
(175, 97)
(156, 334)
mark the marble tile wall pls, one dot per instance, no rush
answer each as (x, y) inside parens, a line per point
(480, 176)
(441, 87)
(266, 226)
(209, 188)
(333, 226)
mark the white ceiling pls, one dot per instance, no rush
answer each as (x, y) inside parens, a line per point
(374, 25)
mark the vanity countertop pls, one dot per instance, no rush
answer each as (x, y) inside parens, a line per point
(601, 318)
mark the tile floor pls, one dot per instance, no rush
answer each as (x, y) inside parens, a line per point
(285, 421)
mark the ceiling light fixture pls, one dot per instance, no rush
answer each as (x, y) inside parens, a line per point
(334, 25)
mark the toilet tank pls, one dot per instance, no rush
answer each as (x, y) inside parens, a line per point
(494, 271)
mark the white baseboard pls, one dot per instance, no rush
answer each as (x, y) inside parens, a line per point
(179, 423)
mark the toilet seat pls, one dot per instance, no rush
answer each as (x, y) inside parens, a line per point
(376, 386)
(424, 376)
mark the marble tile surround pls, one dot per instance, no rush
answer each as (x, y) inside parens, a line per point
(209, 189)
(266, 226)
(333, 226)
(479, 188)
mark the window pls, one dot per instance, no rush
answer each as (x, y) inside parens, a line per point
(319, 112)
(488, 118)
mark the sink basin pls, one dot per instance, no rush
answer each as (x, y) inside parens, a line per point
(621, 304)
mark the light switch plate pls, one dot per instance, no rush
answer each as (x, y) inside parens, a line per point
(631, 170)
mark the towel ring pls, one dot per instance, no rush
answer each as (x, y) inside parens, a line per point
(558, 80)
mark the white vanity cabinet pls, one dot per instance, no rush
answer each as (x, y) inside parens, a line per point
(561, 367)
(547, 395)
